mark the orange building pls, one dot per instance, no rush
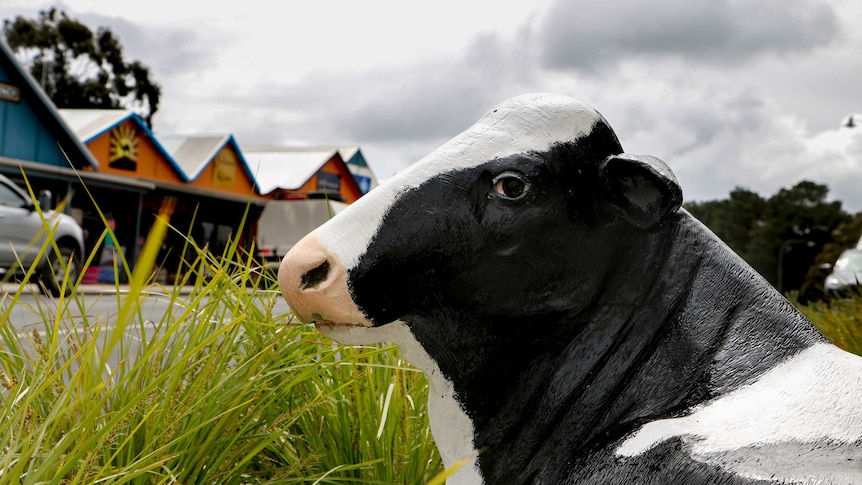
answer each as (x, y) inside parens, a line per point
(211, 163)
(207, 176)
(301, 173)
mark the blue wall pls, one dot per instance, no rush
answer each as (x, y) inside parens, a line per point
(22, 134)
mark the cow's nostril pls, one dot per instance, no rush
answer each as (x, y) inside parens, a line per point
(314, 277)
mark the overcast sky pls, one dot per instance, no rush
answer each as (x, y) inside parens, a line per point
(729, 93)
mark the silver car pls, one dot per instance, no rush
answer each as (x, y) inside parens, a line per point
(22, 234)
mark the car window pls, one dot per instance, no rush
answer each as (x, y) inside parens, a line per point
(10, 198)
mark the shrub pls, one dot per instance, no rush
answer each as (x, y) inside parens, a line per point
(839, 319)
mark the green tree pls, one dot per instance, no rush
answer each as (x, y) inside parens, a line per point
(781, 236)
(795, 225)
(79, 68)
(731, 219)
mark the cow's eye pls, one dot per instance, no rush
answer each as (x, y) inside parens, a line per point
(511, 185)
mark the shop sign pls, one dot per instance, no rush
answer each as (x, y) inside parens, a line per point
(224, 170)
(123, 148)
(328, 182)
(363, 182)
(9, 92)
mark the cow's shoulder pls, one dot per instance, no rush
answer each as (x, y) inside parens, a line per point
(801, 421)
(664, 464)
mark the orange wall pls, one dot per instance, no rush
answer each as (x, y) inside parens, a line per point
(349, 191)
(225, 173)
(127, 150)
(147, 161)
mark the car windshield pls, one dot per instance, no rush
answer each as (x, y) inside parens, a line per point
(850, 261)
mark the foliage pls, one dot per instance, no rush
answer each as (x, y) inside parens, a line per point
(779, 236)
(732, 219)
(840, 320)
(80, 68)
(218, 389)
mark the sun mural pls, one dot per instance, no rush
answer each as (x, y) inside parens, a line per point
(123, 150)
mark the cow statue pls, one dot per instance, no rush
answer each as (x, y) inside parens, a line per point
(575, 324)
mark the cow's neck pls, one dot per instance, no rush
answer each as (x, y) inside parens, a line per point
(561, 386)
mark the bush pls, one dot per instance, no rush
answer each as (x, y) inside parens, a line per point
(839, 319)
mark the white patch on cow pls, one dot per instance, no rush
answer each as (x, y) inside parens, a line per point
(800, 422)
(451, 427)
(531, 122)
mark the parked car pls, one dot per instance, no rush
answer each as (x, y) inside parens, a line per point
(846, 275)
(22, 234)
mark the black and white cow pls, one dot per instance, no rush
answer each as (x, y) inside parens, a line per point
(576, 325)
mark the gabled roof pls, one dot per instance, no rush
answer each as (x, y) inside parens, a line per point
(192, 153)
(352, 155)
(89, 124)
(30, 90)
(286, 168)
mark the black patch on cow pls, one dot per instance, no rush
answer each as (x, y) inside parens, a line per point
(666, 464)
(563, 326)
(454, 240)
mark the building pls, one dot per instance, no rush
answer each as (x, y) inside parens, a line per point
(38, 149)
(363, 174)
(109, 165)
(302, 173)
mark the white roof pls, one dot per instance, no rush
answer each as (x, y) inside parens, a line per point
(286, 168)
(90, 123)
(347, 152)
(193, 153)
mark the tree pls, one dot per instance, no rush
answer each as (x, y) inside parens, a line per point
(796, 224)
(732, 219)
(779, 237)
(79, 68)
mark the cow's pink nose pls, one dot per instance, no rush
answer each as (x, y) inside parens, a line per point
(314, 283)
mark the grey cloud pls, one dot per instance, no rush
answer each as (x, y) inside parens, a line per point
(591, 35)
(412, 111)
(399, 113)
(166, 50)
(437, 99)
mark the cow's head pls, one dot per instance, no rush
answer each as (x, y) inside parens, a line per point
(516, 217)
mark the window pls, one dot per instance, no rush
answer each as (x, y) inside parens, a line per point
(10, 198)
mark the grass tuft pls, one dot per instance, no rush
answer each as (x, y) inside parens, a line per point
(839, 319)
(220, 388)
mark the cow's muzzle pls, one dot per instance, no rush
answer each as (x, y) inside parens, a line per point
(314, 283)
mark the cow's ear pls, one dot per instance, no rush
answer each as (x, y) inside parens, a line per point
(640, 188)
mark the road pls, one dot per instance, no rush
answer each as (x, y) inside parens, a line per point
(95, 304)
